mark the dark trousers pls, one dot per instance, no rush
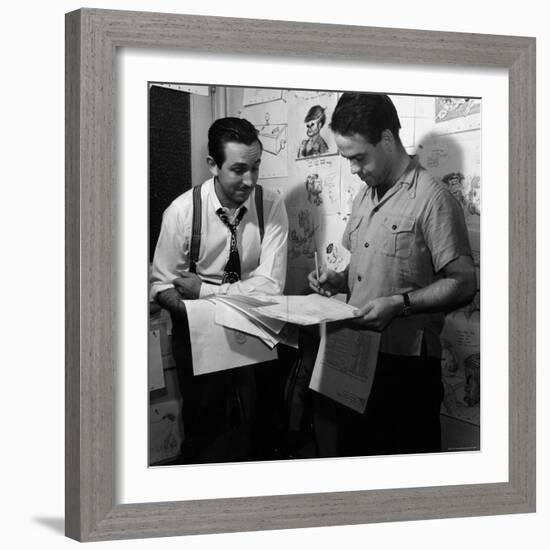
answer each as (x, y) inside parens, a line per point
(231, 415)
(402, 413)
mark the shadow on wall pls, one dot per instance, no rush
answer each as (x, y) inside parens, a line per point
(440, 155)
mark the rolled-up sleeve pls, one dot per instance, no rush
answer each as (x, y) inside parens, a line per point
(172, 251)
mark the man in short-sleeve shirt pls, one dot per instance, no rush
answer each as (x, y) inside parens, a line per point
(410, 262)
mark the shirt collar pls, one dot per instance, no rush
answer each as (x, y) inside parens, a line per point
(216, 201)
(406, 181)
(410, 177)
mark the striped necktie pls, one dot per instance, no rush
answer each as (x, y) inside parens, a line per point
(232, 270)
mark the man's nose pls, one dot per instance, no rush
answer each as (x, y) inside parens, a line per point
(248, 179)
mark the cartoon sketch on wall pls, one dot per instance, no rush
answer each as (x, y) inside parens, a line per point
(274, 142)
(346, 203)
(461, 366)
(461, 384)
(456, 114)
(314, 145)
(473, 198)
(447, 108)
(349, 187)
(272, 136)
(302, 238)
(314, 189)
(255, 96)
(454, 181)
(468, 192)
(309, 116)
(321, 188)
(335, 257)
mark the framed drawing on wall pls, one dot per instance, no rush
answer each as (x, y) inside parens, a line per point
(112, 58)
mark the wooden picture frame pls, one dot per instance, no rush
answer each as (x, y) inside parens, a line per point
(92, 39)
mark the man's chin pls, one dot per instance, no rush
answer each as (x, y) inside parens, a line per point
(241, 196)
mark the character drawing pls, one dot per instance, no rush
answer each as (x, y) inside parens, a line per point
(314, 189)
(314, 144)
(301, 240)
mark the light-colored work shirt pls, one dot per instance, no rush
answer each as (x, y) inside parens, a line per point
(402, 243)
(263, 263)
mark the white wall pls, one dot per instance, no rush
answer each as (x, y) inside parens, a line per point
(32, 229)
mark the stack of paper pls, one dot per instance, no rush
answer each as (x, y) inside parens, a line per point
(246, 328)
(237, 312)
(306, 310)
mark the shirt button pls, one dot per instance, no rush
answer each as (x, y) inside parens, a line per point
(394, 227)
(359, 278)
(367, 245)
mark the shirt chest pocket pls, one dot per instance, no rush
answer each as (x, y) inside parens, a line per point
(396, 236)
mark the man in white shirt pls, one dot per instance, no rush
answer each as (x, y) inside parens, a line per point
(243, 249)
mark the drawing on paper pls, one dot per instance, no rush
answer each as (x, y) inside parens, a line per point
(301, 239)
(335, 258)
(460, 367)
(272, 136)
(314, 189)
(466, 190)
(255, 96)
(447, 108)
(314, 145)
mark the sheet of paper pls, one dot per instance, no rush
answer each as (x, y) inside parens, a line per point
(307, 310)
(215, 348)
(345, 365)
(154, 362)
(229, 317)
(246, 305)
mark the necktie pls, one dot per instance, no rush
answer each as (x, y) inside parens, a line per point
(232, 270)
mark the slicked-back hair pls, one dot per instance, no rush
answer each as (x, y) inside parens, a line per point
(365, 114)
(230, 129)
(316, 112)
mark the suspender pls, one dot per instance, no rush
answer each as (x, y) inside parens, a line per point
(259, 199)
(197, 222)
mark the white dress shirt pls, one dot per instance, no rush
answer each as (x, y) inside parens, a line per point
(263, 264)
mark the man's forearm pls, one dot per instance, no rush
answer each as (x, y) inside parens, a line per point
(170, 299)
(443, 295)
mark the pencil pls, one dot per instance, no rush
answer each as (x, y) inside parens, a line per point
(317, 267)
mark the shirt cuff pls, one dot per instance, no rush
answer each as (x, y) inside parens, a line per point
(208, 290)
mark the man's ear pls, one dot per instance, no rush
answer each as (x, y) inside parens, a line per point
(212, 166)
(388, 141)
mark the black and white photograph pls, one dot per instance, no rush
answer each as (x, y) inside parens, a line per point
(314, 268)
(277, 266)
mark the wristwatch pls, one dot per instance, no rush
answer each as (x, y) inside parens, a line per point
(406, 311)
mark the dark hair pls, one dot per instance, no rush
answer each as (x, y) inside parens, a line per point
(316, 112)
(365, 114)
(225, 130)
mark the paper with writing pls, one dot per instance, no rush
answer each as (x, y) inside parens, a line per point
(345, 365)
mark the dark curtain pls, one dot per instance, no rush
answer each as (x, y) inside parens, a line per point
(169, 153)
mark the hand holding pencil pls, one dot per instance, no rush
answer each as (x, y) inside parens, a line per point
(325, 281)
